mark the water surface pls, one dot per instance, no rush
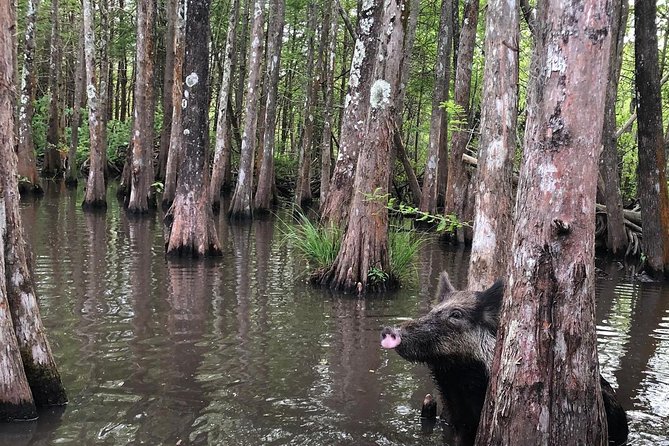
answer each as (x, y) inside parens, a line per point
(242, 351)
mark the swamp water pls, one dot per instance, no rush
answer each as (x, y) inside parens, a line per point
(242, 351)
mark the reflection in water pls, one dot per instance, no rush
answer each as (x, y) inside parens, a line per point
(241, 350)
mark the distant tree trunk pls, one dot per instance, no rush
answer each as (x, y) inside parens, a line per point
(356, 105)
(494, 180)
(52, 162)
(26, 146)
(458, 176)
(222, 149)
(652, 165)
(242, 46)
(303, 195)
(436, 151)
(176, 131)
(362, 264)
(545, 385)
(95, 187)
(16, 400)
(141, 193)
(189, 223)
(103, 49)
(330, 26)
(123, 75)
(240, 205)
(172, 7)
(263, 198)
(71, 177)
(616, 237)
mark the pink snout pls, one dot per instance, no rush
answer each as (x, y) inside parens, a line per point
(390, 338)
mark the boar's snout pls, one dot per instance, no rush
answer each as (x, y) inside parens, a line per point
(390, 337)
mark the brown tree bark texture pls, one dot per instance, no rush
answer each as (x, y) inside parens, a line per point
(263, 197)
(241, 203)
(190, 228)
(141, 194)
(616, 237)
(172, 9)
(330, 27)
(16, 400)
(494, 176)
(52, 161)
(176, 130)
(356, 106)
(95, 186)
(652, 165)
(458, 176)
(365, 243)
(72, 169)
(544, 386)
(436, 154)
(27, 163)
(222, 147)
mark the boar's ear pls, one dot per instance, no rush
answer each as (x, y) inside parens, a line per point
(490, 302)
(444, 289)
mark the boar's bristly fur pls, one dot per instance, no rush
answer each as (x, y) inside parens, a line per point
(456, 340)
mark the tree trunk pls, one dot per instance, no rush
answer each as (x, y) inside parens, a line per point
(176, 131)
(95, 187)
(436, 150)
(240, 206)
(141, 193)
(303, 195)
(26, 147)
(330, 26)
(168, 85)
(16, 401)
(71, 177)
(545, 385)
(52, 162)
(189, 223)
(458, 176)
(104, 78)
(362, 264)
(616, 237)
(263, 198)
(652, 165)
(223, 149)
(356, 105)
(499, 112)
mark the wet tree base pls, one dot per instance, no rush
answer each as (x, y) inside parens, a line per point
(24, 411)
(189, 230)
(95, 205)
(325, 278)
(27, 188)
(45, 384)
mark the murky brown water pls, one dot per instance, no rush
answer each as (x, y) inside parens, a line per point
(241, 351)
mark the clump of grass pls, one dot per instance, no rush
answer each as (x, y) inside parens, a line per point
(403, 245)
(318, 244)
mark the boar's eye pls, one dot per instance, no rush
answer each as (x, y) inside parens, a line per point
(455, 314)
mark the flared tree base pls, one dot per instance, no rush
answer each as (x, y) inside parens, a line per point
(190, 229)
(24, 411)
(45, 384)
(94, 205)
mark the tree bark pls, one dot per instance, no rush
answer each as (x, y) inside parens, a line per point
(356, 105)
(71, 176)
(266, 184)
(545, 385)
(458, 175)
(222, 149)
(436, 150)
(176, 130)
(303, 195)
(52, 161)
(27, 163)
(95, 187)
(330, 27)
(141, 193)
(652, 165)
(189, 223)
(499, 112)
(364, 249)
(168, 85)
(241, 204)
(16, 401)
(616, 237)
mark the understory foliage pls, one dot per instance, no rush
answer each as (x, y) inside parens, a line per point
(319, 245)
